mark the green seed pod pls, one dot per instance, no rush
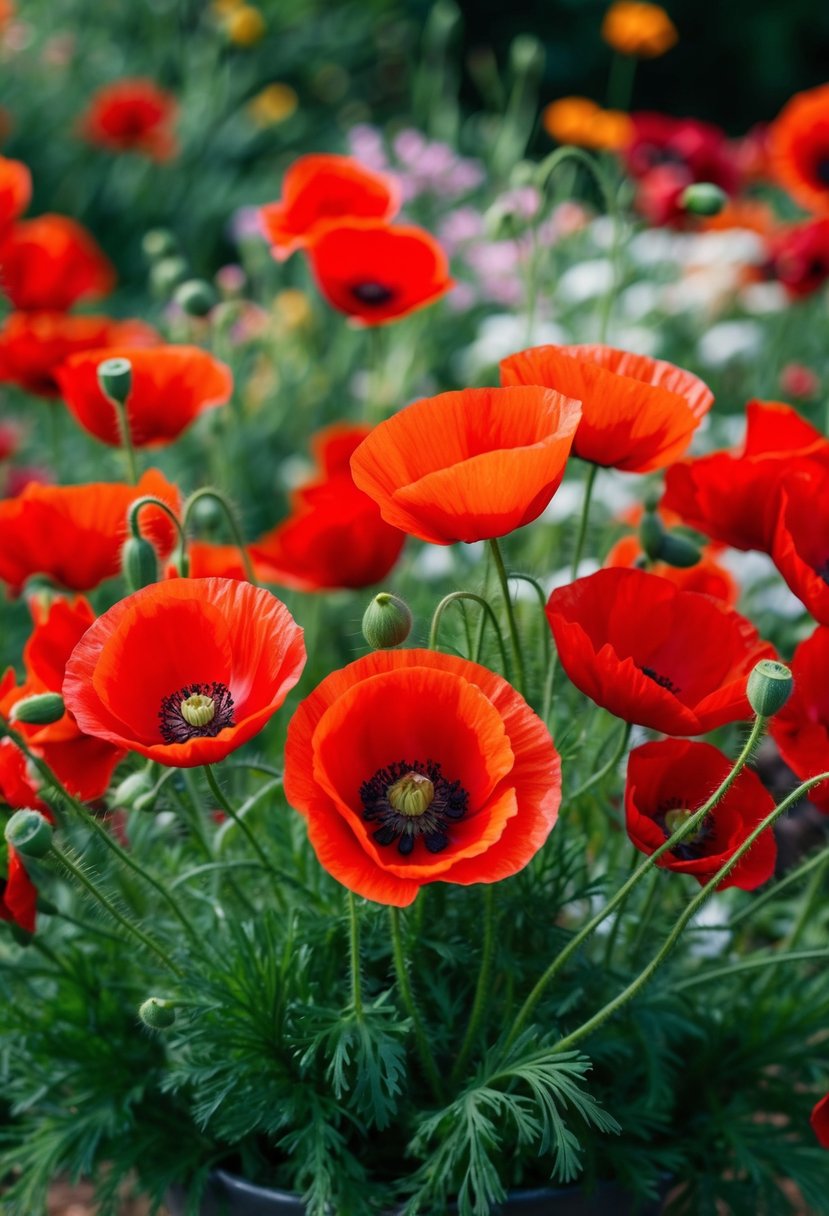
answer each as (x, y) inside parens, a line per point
(195, 297)
(39, 710)
(30, 833)
(128, 792)
(157, 1013)
(677, 550)
(139, 562)
(769, 687)
(166, 275)
(387, 621)
(158, 243)
(703, 198)
(651, 535)
(115, 379)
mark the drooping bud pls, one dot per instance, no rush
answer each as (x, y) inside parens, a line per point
(769, 687)
(29, 833)
(39, 710)
(157, 1013)
(526, 55)
(139, 562)
(195, 297)
(158, 243)
(703, 198)
(677, 550)
(128, 792)
(387, 621)
(651, 535)
(115, 379)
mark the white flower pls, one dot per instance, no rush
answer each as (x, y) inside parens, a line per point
(730, 341)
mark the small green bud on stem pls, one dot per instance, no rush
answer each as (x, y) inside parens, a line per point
(139, 562)
(195, 297)
(157, 1013)
(387, 621)
(769, 687)
(39, 710)
(703, 198)
(29, 833)
(115, 380)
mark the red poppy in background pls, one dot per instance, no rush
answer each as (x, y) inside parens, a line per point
(171, 387)
(673, 660)
(51, 263)
(18, 894)
(469, 465)
(707, 577)
(74, 534)
(799, 148)
(669, 780)
(800, 548)
(318, 191)
(15, 190)
(206, 560)
(667, 154)
(801, 728)
(414, 767)
(185, 671)
(34, 344)
(638, 413)
(132, 115)
(799, 257)
(732, 496)
(375, 272)
(820, 1122)
(335, 535)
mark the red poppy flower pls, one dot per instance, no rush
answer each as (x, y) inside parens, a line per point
(667, 782)
(51, 262)
(376, 273)
(132, 116)
(319, 191)
(800, 549)
(18, 894)
(731, 496)
(207, 560)
(799, 147)
(335, 535)
(801, 728)
(34, 344)
(707, 577)
(171, 387)
(74, 534)
(638, 413)
(673, 660)
(415, 767)
(700, 149)
(799, 257)
(15, 190)
(17, 789)
(820, 1122)
(185, 671)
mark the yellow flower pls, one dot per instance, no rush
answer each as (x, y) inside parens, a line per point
(577, 120)
(244, 25)
(612, 130)
(273, 105)
(644, 30)
(292, 307)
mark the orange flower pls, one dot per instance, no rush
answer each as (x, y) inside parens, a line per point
(15, 190)
(34, 344)
(644, 30)
(471, 465)
(132, 115)
(74, 534)
(376, 273)
(414, 767)
(171, 387)
(577, 120)
(185, 671)
(638, 413)
(52, 262)
(799, 148)
(319, 191)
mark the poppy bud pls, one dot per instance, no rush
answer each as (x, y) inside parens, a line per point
(139, 562)
(387, 621)
(678, 551)
(158, 243)
(526, 55)
(703, 198)
(157, 1013)
(195, 297)
(503, 221)
(769, 687)
(651, 535)
(39, 710)
(30, 833)
(166, 275)
(129, 791)
(115, 379)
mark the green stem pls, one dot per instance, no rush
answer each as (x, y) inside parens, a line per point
(126, 440)
(354, 926)
(488, 615)
(149, 501)
(646, 913)
(794, 876)
(228, 809)
(620, 84)
(611, 764)
(482, 989)
(421, 1040)
(236, 531)
(751, 964)
(581, 535)
(518, 658)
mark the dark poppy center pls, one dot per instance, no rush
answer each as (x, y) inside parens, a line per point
(822, 571)
(822, 168)
(662, 681)
(372, 293)
(196, 711)
(410, 801)
(670, 816)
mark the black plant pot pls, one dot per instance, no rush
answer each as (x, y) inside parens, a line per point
(229, 1196)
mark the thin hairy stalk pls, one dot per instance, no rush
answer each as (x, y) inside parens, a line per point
(354, 936)
(489, 615)
(751, 964)
(424, 1051)
(236, 531)
(482, 988)
(794, 876)
(227, 807)
(581, 535)
(517, 657)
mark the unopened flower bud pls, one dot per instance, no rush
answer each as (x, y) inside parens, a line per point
(651, 535)
(166, 275)
(703, 198)
(40, 710)
(133, 787)
(115, 379)
(527, 55)
(769, 687)
(30, 833)
(158, 243)
(139, 562)
(387, 621)
(157, 1013)
(679, 551)
(503, 221)
(195, 297)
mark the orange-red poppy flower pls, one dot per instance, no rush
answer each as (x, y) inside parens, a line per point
(577, 120)
(319, 191)
(415, 767)
(15, 190)
(638, 413)
(801, 728)
(820, 1122)
(376, 273)
(470, 465)
(799, 148)
(51, 263)
(708, 576)
(800, 548)
(635, 28)
(667, 782)
(18, 894)
(207, 560)
(335, 535)
(34, 344)
(132, 115)
(74, 534)
(732, 496)
(673, 660)
(171, 387)
(185, 671)
(799, 257)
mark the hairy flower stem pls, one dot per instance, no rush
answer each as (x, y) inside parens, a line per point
(790, 879)
(354, 933)
(752, 964)
(228, 809)
(427, 1060)
(517, 657)
(126, 440)
(581, 535)
(233, 524)
(488, 614)
(812, 897)
(482, 989)
(149, 501)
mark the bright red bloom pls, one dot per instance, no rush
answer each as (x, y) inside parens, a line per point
(415, 767)
(667, 154)
(335, 535)
(375, 272)
(638, 413)
(207, 560)
(18, 894)
(132, 115)
(171, 387)
(801, 728)
(34, 344)
(17, 788)
(800, 548)
(10, 436)
(799, 381)
(731, 496)
(15, 190)
(673, 660)
(469, 465)
(799, 145)
(185, 671)
(321, 191)
(820, 1122)
(799, 257)
(74, 534)
(50, 263)
(668, 781)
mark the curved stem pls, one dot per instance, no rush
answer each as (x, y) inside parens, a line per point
(149, 501)
(354, 928)
(792, 877)
(238, 539)
(228, 809)
(518, 658)
(581, 535)
(482, 988)
(421, 1041)
(542, 599)
(600, 775)
(552, 162)
(489, 615)
(646, 913)
(751, 964)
